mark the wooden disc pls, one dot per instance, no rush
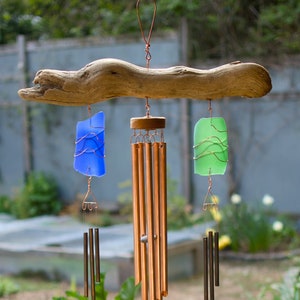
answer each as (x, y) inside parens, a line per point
(148, 123)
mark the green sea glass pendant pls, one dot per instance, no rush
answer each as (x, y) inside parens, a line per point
(210, 147)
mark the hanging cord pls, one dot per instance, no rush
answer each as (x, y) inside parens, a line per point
(210, 108)
(147, 43)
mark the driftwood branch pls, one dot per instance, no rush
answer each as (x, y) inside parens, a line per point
(110, 78)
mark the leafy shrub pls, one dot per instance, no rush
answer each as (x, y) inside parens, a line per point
(288, 289)
(39, 196)
(7, 287)
(128, 291)
(255, 228)
(179, 212)
(5, 204)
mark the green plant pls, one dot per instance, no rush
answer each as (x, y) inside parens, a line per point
(5, 204)
(39, 196)
(288, 289)
(7, 287)
(254, 228)
(125, 200)
(179, 212)
(128, 291)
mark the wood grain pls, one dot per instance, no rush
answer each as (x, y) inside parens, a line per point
(108, 78)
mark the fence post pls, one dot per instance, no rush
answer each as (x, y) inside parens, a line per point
(26, 111)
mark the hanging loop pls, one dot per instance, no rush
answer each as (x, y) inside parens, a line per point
(148, 38)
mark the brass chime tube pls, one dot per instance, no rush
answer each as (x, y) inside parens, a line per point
(142, 225)
(136, 212)
(92, 267)
(85, 265)
(97, 253)
(150, 221)
(157, 219)
(163, 218)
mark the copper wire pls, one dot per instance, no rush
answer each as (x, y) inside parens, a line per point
(148, 38)
(209, 199)
(147, 42)
(90, 205)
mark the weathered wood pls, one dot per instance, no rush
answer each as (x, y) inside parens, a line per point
(110, 78)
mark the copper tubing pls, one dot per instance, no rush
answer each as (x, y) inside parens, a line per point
(143, 232)
(205, 270)
(92, 268)
(217, 271)
(97, 253)
(211, 265)
(136, 212)
(150, 221)
(85, 265)
(163, 218)
(156, 190)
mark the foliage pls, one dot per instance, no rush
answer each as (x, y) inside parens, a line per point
(288, 289)
(254, 228)
(128, 291)
(125, 200)
(179, 212)
(7, 287)
(39, 196)
(5, 204)
(216, 28)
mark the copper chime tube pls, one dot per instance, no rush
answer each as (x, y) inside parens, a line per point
(142, 224)
(97, 253)
(150, 221)
(211, 264)
(163, 218)
(92, 267)
(85, 265)
(205, 271)
(149, 205)
(217, 272)
(157, 219)
(136, 211)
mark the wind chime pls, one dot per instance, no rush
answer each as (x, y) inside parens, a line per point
(105, 79)
(89, 161)
(148, 154)
(210, 158)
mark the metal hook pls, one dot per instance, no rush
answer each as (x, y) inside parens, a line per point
(89, 205)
